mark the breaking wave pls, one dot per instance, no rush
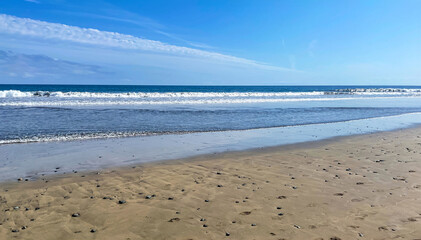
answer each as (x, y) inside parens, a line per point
(172, 102)
(74, 137)
(350, 91)
(19, 94)
(58, 98)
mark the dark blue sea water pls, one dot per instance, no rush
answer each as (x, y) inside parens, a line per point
(33, 113)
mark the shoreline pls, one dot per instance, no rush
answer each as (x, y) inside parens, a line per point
(312, 144)
(66, 157)
(209, 156)
(350, 187)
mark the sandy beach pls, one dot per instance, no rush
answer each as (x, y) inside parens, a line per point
(358, 187)
(197, 120)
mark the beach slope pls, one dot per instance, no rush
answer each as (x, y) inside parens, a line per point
(358, 187)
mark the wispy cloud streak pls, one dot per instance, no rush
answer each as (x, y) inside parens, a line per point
(45, 30)
(33, 66)
(32, 1)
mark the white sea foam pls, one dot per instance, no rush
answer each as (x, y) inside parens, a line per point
(75, 137)
(19, 94)
(14, 94)
(83, 102)
(58, 94)
(57, 98)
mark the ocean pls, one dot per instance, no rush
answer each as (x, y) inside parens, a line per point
(44, 113)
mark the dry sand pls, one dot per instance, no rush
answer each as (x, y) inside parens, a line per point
(359, 187)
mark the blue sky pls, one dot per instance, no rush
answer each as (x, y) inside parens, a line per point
(211, 42)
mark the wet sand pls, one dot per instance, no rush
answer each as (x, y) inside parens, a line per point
(358, 187)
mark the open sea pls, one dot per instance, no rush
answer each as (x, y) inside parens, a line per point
(42, 113)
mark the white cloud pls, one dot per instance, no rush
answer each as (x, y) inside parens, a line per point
(45, 30)
(32, 1)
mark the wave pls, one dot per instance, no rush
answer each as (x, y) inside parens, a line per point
(15, 94)
(378, 90)
(19, 94)
(75, 137)
(350, 91)
(181, 102)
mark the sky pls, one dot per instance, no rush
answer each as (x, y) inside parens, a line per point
(219, 42)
